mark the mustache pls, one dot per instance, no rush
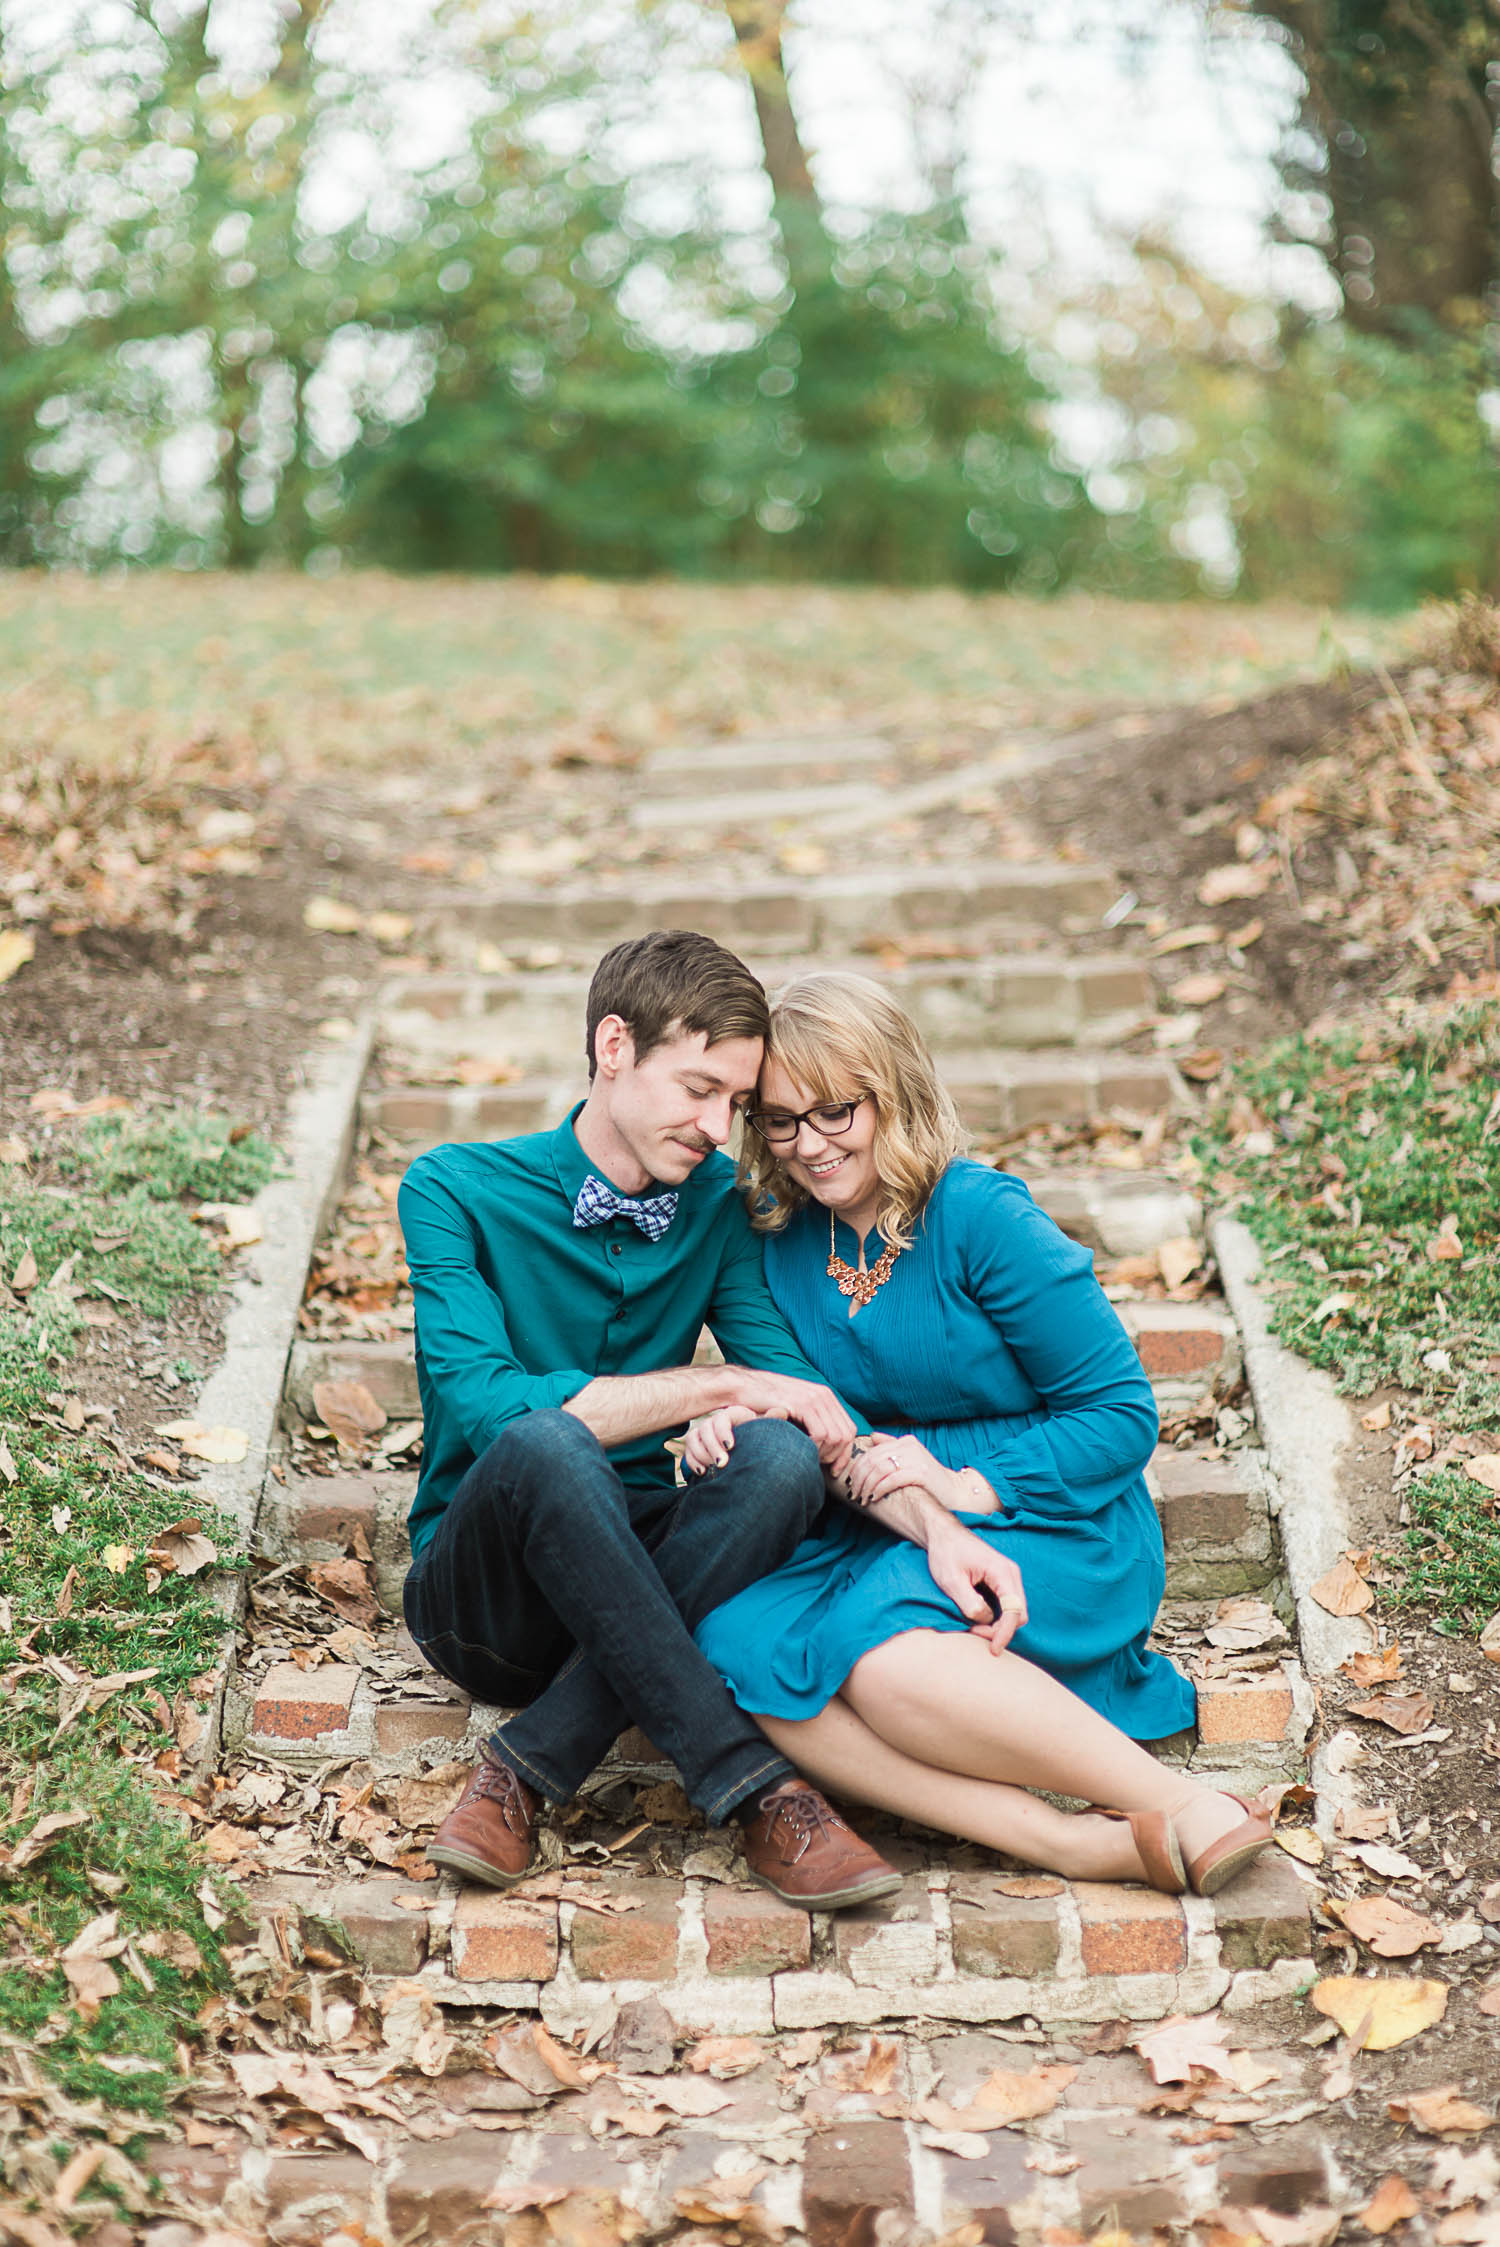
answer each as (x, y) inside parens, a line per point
(699, 1146)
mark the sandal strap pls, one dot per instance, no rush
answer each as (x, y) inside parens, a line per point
(1157, 1846)
(1246, 1840)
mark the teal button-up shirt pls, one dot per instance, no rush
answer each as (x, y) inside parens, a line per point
(517, 1309)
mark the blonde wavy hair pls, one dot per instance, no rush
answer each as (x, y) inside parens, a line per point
(842, 1034)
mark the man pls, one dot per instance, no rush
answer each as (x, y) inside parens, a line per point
(561, 1283)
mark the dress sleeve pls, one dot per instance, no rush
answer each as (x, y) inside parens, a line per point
(1098, 1424)
(466, 1347)
(744, 1321)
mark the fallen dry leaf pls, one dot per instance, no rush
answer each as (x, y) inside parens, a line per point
(1441, 2113)
(559, 2059)
(1221, 883)
(1377, 1418)
(1302, 1842)
(1390, 1864)
(349, 1410)
(1489, 2000)
(222, 1447)
(1387, 1927)
(348, 1586)
(16, 948)
(183, 1548)
(1189, 939)
(329, 916)
(43, 1834)
(1179, 1258)
(1016, 2098)
(1489, 1639)
(1181, 2044)
(1380, 2012)
(1382, 1667)
(1485, 1469)
(1393, 2202)
(1198, 990)
(1403, 1712)
(725, 2056)
(1343, 1591)
(1310, 2227)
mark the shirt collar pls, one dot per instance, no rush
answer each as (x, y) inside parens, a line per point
(573, 1166)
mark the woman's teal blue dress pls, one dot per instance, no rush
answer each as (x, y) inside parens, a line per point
(993, 1342)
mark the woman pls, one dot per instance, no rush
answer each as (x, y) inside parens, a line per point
(1011, 1414)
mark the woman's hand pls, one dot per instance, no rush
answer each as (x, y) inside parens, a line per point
(966, 1567)
(711, 1439)
(903, 1463)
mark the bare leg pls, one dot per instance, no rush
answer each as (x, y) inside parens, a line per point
(944, 1699)
(839, 1751)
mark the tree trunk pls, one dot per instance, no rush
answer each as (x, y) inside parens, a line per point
(1396, 95)
(799, 214)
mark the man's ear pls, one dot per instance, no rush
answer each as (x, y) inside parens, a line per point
(614, 1047)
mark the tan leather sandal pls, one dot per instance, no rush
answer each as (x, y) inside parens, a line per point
(1156, 1845)
(1214, 1867)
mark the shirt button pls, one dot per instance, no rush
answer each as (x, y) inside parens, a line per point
(614, 1248)
(620, 1314)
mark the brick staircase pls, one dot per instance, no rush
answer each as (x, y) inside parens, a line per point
(1028, 1022)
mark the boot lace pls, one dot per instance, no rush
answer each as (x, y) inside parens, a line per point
(808, 1814)
(501, 1784)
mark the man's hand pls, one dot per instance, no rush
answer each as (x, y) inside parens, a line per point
(964, 1566)
(781, 1396)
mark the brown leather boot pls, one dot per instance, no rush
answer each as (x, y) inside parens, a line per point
(488, 1833)
(798, 1846)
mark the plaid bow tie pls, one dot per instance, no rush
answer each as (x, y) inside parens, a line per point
(597, 1202)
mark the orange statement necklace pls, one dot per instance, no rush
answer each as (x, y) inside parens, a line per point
(859, 1286)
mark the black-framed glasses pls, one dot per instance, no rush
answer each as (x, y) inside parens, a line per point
(828, 1119)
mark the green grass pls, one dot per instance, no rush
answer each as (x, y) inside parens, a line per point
(168, 1155)
(125, 1215)
(1453, 1549)
(1366, 1151)
(76, 1525)
(369, 669)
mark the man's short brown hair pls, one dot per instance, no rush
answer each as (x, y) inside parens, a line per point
(675, 983)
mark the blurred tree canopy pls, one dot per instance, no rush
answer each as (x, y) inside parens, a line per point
(498, 356)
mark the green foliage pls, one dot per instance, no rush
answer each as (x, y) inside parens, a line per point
(1368, 471)
(77, 1589)
(1352, 468)
(1380, 1145)
(1452, 1549)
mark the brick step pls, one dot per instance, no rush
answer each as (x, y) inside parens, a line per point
(996, 1093)
(1017, 999)
(1251, 1725)
(786, 809)
(1186, 1348)
(1099, 2164)
(726, 1957)
(788, 761)
(831, 912)
(1249, 1731)
(1215, 1522)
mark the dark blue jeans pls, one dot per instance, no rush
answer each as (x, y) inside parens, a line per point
(551, 1587)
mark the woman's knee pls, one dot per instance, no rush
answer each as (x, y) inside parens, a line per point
(905, 1672)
